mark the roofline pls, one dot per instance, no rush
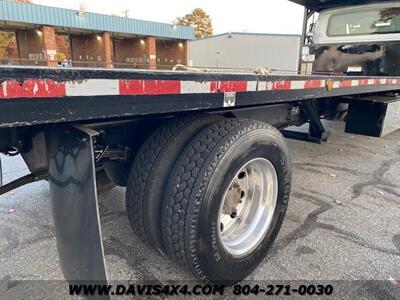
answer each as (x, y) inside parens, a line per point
(249, 33)
(36, 14)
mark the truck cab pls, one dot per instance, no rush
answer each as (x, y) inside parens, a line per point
(358, 39)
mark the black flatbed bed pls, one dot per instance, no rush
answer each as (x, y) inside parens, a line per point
(32, 95)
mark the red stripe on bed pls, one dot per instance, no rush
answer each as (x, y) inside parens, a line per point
(31, 89)
(149, 87)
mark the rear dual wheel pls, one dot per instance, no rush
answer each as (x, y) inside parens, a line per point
(150, 172)
(224, 199)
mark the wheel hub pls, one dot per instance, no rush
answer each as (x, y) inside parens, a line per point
(248, 206)
(233, 199)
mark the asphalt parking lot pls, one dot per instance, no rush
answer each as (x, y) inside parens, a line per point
(343, 222)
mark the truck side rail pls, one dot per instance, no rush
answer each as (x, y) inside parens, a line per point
(31, 96)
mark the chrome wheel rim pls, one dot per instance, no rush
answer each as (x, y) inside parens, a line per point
(248, 207)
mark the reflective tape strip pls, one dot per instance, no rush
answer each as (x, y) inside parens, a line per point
(32, 88)
(92, 87)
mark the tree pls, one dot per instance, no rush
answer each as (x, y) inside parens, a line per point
(8, 43)
(199, 19)
(4, 43)
(61, 57)
(63, 46)
(12, 46)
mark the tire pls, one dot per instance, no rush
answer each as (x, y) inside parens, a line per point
(198, 183)
(150, 172)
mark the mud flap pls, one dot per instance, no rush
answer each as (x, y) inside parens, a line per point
(73, 195)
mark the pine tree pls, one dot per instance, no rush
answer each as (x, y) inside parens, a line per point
(199, 19)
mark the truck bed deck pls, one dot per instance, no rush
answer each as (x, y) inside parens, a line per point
(32, 95)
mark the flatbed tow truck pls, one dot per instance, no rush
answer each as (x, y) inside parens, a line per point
(202, 154)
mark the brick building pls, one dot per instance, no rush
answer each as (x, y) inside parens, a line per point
(42, 35)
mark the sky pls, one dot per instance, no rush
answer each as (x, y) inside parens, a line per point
(260, 16)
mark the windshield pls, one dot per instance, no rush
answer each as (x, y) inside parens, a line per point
(379, 21)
